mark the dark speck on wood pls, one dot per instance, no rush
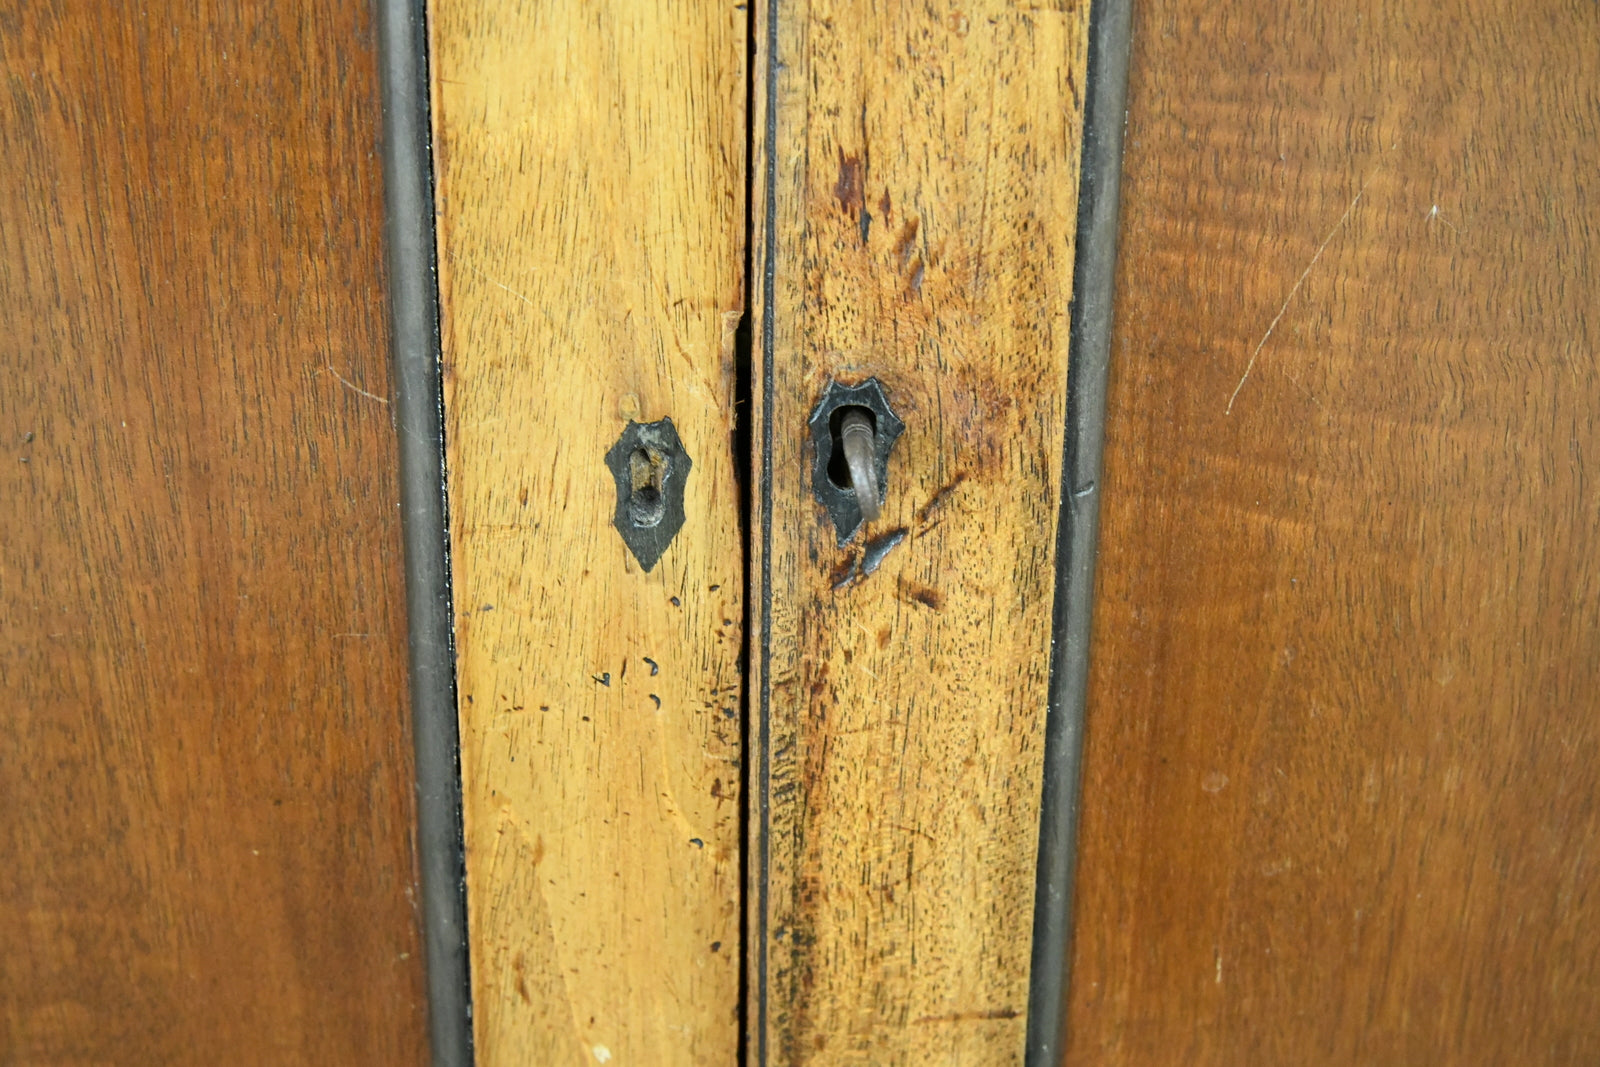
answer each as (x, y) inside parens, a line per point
(603, 679)
(906, 243)
(848, 188)
(923, 595)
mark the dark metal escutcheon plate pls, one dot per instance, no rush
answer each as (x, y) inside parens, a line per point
(839, 501)
(650, 467)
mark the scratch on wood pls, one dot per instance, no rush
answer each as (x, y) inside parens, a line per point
(507, 288)
(353, 387)
(1298, 283)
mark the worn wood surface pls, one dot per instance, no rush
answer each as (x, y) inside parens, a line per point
(205, 763)
(591, 205)
(1341, 801)
(921, 231)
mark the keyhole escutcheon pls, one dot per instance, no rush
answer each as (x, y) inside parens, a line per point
(853, 431)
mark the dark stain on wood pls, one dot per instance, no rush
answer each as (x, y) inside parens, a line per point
(845, 570)
(929, 511)
(847, 190)
(905, 243)
(969, 1016)
(920, 594)
(522, 982)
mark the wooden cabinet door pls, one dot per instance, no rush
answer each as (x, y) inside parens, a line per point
(205, 755)
(914, 225)
(1340, 799)
(769, 747)
(914, 219)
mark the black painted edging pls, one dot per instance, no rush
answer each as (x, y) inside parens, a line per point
(419, 425)
(1105, 115)
(756, 1044)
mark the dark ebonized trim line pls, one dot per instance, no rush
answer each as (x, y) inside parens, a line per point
(761, 928)
(419, 423)
(1105, 114)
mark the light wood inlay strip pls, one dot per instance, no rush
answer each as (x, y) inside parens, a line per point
(922, 199)
(591, 214)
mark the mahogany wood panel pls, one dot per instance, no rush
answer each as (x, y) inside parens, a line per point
(1342, 790)
(205, 767)
(917, 226)
(591, 222)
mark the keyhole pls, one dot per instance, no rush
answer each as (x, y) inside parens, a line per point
(853, 462)
(647, 470)
(838, 464)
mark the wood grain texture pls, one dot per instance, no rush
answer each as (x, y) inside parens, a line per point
(205, 765)
(591, 207)
(925, 162)
(1341, 801)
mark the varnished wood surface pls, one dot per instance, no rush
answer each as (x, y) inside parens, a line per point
(1341, 801)
(205, 764)
(591, 207)
(921, 231)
